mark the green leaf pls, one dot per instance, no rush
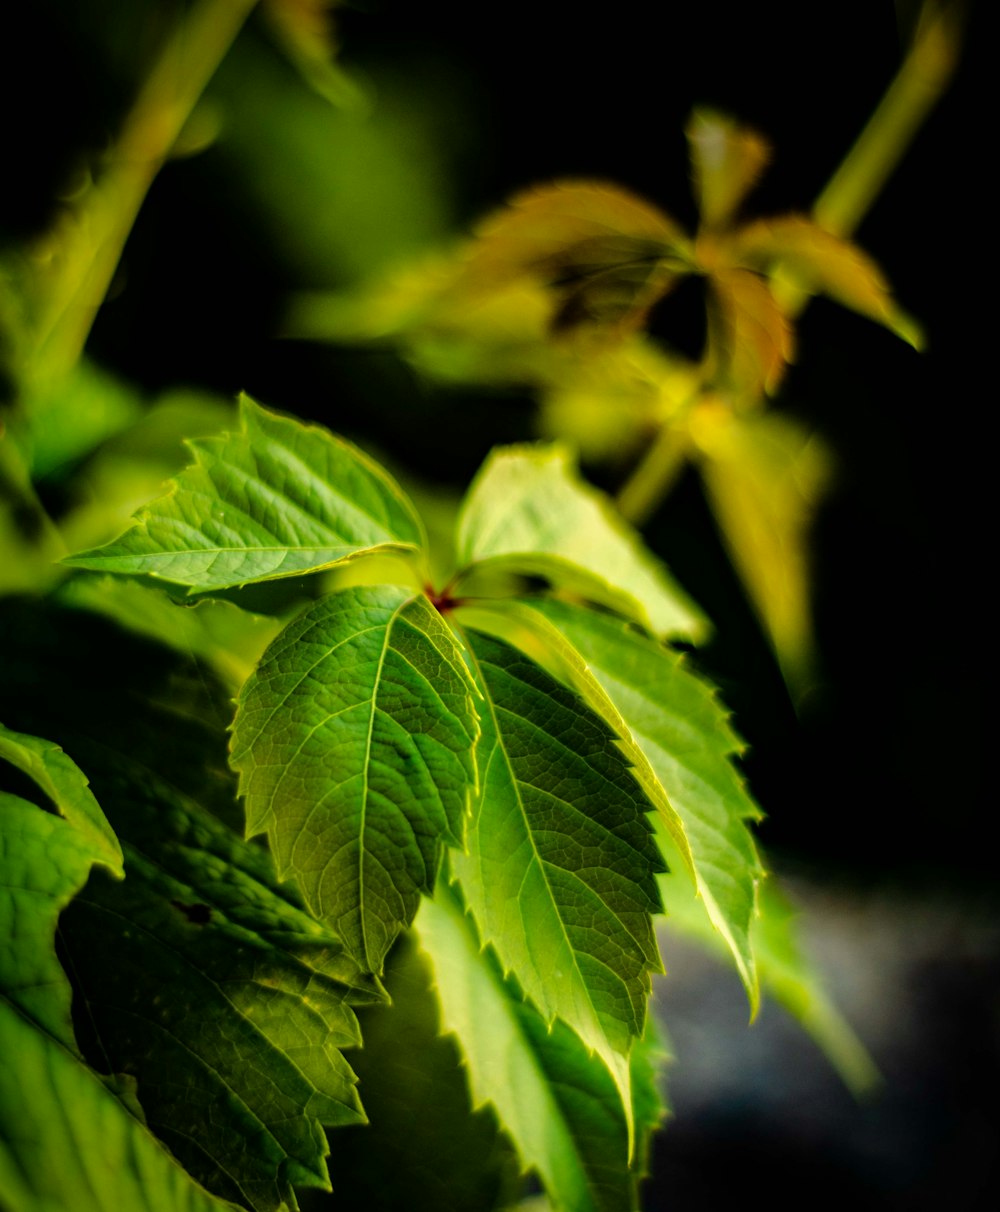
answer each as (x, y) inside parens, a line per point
(560, 863)
(676, 722)
(446, 1156)
(66, 787)
(558, 1105)
(354, 741)
(66, 1141)
(205, 979)
(71, 1143)
(528, 511)
(276, 499)
(200, 976)
(765, 476)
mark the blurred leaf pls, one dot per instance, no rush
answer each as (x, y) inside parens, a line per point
(750, 339)
(559, 862)
(765, 476)
(305, 29)
(447, 1156)
(274, 500)
(823, 263)
(727, 158)
(228, 638)
(555, 1102)
(529, 511)
(680, 728)
(354, 742)
(68, 417)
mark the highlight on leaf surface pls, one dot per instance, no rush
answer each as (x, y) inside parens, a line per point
(529, 511)
(276, 499)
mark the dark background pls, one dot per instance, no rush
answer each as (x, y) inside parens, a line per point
(874, 790)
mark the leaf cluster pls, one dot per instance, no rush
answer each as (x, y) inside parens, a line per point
(471, 795)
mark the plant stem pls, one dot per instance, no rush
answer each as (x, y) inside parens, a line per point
(89, 247)
(919, 84)
(653, 476)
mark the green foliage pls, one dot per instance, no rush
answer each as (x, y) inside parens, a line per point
(299, 834)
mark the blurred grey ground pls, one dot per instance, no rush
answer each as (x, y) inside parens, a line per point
(759, 1109)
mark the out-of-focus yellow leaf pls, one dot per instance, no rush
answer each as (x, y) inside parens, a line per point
(765, 476)
(727, 158)
(822, 263)
(606, 255)
(305, 30)
(750, 340)
(611, 401)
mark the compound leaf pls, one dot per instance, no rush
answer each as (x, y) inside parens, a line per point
(560, 862)
(277, 499)
(354, 741)
(529, 511)
(558, 1105)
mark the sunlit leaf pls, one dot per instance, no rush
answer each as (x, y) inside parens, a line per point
(274, 500)
(557, 1104)
(750, 339)
(354, 742)
(559, 866)
(823, 263)
(765, 476)
(529, 511)
(681, 730)
(447, 1156)
(726, 159)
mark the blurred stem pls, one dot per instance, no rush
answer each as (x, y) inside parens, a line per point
(919, 84)
(653, 476)
(843, 203)
(90, 247)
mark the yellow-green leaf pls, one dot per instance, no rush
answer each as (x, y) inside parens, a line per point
(765, 475)
(726, 159)
(822, 263)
